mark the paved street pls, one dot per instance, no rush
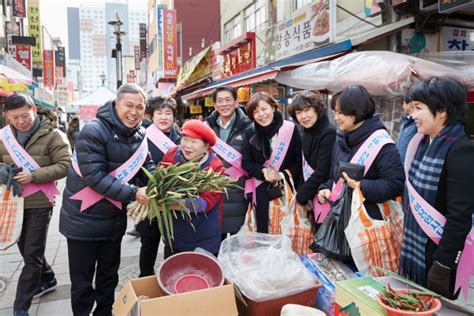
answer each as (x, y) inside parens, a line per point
(58, 302)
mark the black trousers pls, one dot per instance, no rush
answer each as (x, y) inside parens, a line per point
(89, 258)
(148, 252)
(32, 244)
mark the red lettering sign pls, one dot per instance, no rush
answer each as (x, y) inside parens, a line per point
(170, 39)
(48, 68)
(23, 55)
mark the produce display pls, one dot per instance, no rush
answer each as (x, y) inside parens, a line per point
(169, 187)
(408, 300)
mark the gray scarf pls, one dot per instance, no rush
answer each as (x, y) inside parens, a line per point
(24, 137)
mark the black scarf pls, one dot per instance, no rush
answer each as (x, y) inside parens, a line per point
(263, 135)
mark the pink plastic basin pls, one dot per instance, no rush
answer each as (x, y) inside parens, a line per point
(190, 282)
(191, 271)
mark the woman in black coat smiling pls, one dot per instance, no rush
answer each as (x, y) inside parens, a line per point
(317, 139)
(259, 145)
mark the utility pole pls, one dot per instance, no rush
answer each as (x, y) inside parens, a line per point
(117, 52)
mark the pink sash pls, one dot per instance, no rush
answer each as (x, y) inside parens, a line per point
(366, 155)
(23, 159)
(320, 210)
(232, 156)
(159, 139)
(124, 173)
(279, 150)
(432, 222)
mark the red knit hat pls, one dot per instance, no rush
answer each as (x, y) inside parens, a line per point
(197, 129)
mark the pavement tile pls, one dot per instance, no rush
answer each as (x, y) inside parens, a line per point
(61, 307)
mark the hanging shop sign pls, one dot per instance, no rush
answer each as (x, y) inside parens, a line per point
(448, 6)
(23, 55)
(310, 27)
(48, 68)
(195, 109)
(34, 30)
(238, 55)
(208, 102)
(170, 42)
(60, 59)
(457, 39)
(19, 8)
(12, 28)
(136, 54)
(131, 76)
(243, 94)
(142, 27)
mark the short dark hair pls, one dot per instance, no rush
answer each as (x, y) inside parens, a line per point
(256, 98)
(230, 89)
(158, 103)
(18, 100)
(442, 94)
(303, 100)
(355, 101)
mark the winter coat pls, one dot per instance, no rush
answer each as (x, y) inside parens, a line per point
(317, 143)
(385, 178)
(103, 145)
(455, 201)
(206, 233)
(50, 148)
(235, 204)
(406, 134)
(253, 160)
(147, 228)
(72, 133)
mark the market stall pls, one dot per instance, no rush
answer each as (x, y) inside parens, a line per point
(87, 107)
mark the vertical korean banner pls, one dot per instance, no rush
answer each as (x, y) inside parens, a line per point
(48, 68)
(159, 48)
(19, 8)
(23, 55)
(136, 54)
(34, 29)
(170, 41)
(143, 52)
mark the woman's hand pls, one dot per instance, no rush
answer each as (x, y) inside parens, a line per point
(271, 175)
(323, 196)
(350, 182)
(141, 197)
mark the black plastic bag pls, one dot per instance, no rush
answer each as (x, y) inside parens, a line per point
(330, 238)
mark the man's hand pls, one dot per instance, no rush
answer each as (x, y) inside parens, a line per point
(323, 196)
(141, 197)
(23, 177)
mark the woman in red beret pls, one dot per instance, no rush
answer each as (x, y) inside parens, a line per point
(271, 148)
(206, 210)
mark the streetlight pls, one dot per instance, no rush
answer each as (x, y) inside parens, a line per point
(117, 52)
(102, 78)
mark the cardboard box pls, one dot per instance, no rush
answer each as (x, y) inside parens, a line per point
(212, 301)
(273, 307)
(360, 291)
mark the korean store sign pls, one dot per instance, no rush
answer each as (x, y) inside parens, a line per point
(170, 42)
(238, 56)
(457, 39)
(34, 30)
(308, 28)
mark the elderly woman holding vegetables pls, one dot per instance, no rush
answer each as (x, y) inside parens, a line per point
(203, 228)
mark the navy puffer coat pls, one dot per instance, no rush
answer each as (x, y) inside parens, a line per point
(103, 145)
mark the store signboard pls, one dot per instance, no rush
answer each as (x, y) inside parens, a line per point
(142, 27)
(48, 68)
(34, 29)
(216, 61)
(170, 43)
(136, 54)
(238, 56)
(457, 39)
(310, 27)
(12, 28)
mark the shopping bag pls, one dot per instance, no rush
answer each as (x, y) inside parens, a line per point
(375, 242)
(250, 222)
(280, 207)
(11, 218)
(330, 238)
(298, 228)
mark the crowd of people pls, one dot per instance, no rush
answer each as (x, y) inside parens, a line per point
(429, 163)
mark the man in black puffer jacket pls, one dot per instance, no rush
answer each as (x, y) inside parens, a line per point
(229, 123)
(94, 234)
